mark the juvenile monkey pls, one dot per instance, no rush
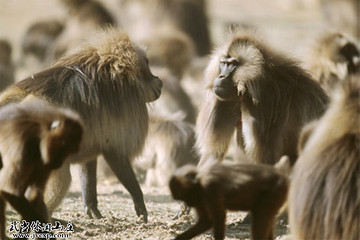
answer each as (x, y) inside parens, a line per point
(324, 196)
(35, 139)
(260, 189)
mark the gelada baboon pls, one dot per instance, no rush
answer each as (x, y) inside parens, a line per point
(334, 58)
(325, 189)
(83, 19)
(260, 189)
(188, 16)
(6, 66)
(191, 17)
(108, 82)
(262, 95)
(169, 145)
(35, 139)
(173, 97)
(163, 44)
(39, 38)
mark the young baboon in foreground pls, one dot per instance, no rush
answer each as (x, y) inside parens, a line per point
(107, 82)
(324, 197)
(260, 189)
(262, 95)
(35, 139)
(334, 58)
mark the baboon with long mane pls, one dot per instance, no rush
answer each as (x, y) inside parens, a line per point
(259, 93)
(108, 82)
(324, 197)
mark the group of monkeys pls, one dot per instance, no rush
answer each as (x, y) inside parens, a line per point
(301, 131)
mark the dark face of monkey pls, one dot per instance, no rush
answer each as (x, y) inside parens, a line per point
(224, 86)
(150, 81)
(352, 55)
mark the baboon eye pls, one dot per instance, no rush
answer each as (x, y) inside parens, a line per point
(191, 176)
(55, 124)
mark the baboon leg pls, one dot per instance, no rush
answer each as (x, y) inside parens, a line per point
(57, 186)
(2, 219)
(88, 187)
(22, 206)
(122, 168)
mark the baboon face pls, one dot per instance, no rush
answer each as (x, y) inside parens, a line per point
(342, 50)
(64, 138)
(152, 84)
(238, 64)
(185, 186)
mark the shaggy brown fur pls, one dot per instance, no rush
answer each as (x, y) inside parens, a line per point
(273, 99)
(83, 19)
(39, 38)
(333, 59)
(6, 66)
(324, 197)
(108, 82)
(260, 189)
(35, 138)
(168, 146)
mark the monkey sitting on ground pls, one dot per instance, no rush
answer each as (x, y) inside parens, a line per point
(108, 83)
(334, 58)
(260, 189)
(324, 196)
(35, 139)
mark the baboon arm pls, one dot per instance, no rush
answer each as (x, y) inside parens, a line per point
(218, 215)
(200, 226)
(215, 126)
(22, 206)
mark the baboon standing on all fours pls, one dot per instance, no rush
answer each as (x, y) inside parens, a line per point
(333, 59)
(107, 82)
(35, 139)
(260, 189)
(262, 95)
(324, 197)
(6, 66)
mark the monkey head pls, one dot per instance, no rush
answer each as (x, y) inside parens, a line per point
(185, 186)
(341, 50)
(233, 69)
(149, 80)
(63, 137)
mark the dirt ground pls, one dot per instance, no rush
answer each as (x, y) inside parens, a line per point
(121, 222)
(288, 26)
